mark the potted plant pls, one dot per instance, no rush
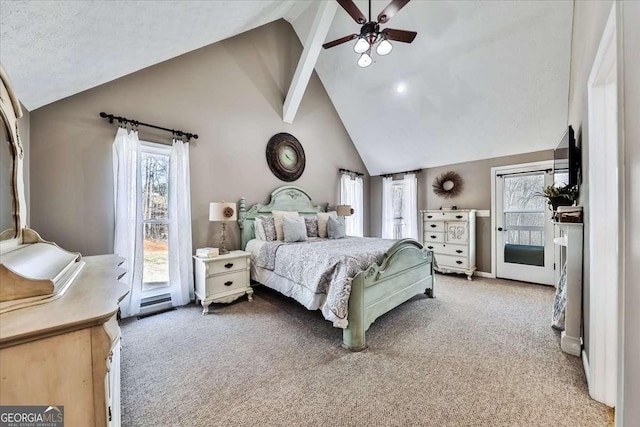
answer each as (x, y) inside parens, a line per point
(560, 196)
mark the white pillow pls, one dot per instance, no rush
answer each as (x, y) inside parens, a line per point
(258, 228)
(323, 218)
(278, 217)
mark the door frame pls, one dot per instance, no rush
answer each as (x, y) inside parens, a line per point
(521, 167)
(602, 365)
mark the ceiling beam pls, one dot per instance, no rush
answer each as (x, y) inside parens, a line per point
(308, 59)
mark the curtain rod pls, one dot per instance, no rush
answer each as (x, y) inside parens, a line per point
(386, 175)
(124, 120)
(350, 172)
(500, 175)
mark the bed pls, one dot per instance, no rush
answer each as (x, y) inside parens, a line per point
(368, 277)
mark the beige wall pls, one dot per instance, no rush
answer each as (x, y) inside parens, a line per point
(589, 22)
(231, 93)
(476, 195)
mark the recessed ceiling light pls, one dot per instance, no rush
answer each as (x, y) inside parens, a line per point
(401, 88)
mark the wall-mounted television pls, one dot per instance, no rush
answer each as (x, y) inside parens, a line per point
(566, 160)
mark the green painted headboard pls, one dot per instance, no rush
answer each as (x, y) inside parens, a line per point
(287, 198)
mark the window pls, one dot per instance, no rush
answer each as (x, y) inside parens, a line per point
(154, 171)
(351, 193)
(399, 208)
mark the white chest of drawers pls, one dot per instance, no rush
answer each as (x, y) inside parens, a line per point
(451, 235)
(224, 278)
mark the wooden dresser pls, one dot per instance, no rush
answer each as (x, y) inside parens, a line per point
(66, 352)
(451, 235)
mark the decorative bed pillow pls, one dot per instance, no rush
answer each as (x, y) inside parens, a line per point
(258, 229)
(323, 217)
(294, 229)
(312, 226)
(269, 226)
(278, 217)
(335, 228)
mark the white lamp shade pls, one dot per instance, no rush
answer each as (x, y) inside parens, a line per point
(222, 211)
(361, 46)
(344, 210)
(384, 48)
(365, 60)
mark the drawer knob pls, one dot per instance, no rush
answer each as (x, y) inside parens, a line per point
(429, 247)
(458, 262)
(433, 237)
(459, 251)
(228, 265)
(459, 216)
(433, 226)
(429, 216)
(229, 283)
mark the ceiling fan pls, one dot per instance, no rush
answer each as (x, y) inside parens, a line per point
(370, 33)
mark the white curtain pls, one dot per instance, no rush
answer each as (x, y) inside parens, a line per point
(387, 207)
(410, 213)
(128, 215)
(180, 262)
(352, 193)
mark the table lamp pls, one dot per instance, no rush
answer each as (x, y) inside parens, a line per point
(344, 210)
(222, 212)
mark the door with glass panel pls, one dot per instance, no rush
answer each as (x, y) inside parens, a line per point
(524, 232)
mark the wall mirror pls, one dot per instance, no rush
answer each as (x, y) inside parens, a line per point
(8, 220)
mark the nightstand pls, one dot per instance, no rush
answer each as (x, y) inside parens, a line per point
(224, 278)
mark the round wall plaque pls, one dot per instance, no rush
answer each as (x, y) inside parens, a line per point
(285, 157)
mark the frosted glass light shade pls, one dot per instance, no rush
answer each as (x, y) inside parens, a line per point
(221, 211)
(384, 48)
(361, 46)
(365, 60)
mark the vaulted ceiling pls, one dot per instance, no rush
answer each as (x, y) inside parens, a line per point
(482, 79)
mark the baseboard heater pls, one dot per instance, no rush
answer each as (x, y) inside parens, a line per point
(155, 305)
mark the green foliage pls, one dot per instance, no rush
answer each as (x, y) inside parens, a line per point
(569, 192)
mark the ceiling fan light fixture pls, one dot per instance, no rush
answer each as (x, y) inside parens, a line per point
(365, 59)
(361, 45)
(384, 47)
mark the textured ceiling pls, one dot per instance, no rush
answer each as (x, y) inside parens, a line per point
(54, 49)
(482, 79)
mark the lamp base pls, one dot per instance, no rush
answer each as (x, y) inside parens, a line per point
(223, 240)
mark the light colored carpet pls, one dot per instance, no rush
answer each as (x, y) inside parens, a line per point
(481, 354)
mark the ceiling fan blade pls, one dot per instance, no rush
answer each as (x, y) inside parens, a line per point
(399, 35)
(391, 9)
(353, 10)
(339, 41)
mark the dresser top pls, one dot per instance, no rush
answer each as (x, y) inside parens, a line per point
(90, 301)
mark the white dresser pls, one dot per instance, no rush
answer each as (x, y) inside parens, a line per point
(451, 235)
(223, 278)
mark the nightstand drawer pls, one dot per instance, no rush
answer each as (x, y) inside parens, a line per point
(227, 282)
(452, 261)
(227, 265)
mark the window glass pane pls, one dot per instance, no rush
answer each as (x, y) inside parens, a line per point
(524, 219)
(560, 179)
(155, 185)
(398, 200)
(156, 256)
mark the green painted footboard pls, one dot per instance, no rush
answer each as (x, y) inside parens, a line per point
(405, 271)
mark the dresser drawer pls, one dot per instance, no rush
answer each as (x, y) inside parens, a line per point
(433, 237)
(452, 261)
(430, 226)
(455, 250)
(227, 266)
(446, 216)
(227, 282)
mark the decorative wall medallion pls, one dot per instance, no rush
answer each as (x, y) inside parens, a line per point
(285, 157)
(448, 184)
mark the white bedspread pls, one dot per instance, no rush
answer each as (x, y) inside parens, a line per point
(317, 273)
